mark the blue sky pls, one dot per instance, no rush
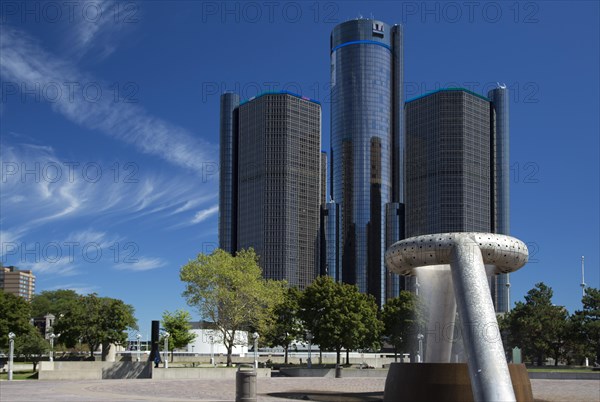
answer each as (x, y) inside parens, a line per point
(109, 125)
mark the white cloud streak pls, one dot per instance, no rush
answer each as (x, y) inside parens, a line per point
(39, 199)
(79, 288)
(86, 101)
(143, 264)
(205, 214)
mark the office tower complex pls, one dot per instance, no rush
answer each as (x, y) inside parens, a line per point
(276, 158)
(17, 282)
(457, 165)
(366, 147)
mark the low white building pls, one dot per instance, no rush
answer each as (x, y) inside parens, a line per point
(210, 341)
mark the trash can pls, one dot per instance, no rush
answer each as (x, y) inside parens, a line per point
(338, 371)
(245, 384)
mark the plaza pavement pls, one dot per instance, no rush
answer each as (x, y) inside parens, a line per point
(269, 389)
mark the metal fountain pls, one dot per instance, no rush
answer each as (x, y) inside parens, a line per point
(468, 255)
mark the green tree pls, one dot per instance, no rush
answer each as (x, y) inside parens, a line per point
(537, 326)
(339, 316)
(54, 302)
(577, 346)
(402, 317)
(587, 324)
(96, 321)
(14, 316)
(31, 345)
(284, 325)
(231, 292)
(177, 324)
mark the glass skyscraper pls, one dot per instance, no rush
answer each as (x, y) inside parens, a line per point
(457, 166)
(277, 189)
(366, 146)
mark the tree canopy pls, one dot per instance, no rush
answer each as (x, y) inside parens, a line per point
(231, 292)
(537, 326)
(54, 302)
(14, 316)
(402, 317)
(177, 324)
(31, 345)
(586, 325)
(339, 316)
(284, 325)
(95, 321)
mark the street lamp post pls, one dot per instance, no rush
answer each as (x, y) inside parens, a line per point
(255, 336)
(139, 347)
(52, 336)
(420, 355)
(167, 350)
(309, 338)
(11, 352)
(212, 350)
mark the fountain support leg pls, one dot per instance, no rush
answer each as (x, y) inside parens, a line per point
(488, 369)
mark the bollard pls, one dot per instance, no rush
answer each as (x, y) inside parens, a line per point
(338, 371)
(245, 384)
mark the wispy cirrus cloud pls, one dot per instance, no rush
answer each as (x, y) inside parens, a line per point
(205, 214)
(143, 264)
(25, 63)
(55, 194)
(79, 288)
(56, 267)
(95, 32)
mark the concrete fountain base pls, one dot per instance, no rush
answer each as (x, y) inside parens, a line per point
(444, 382)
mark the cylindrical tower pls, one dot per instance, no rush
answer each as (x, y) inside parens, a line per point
(366, 96)
(228, 172)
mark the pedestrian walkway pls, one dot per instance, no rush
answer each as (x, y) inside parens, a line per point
(269, 389)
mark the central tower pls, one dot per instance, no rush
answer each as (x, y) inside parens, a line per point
(367, 152)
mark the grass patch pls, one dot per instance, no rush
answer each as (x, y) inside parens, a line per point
(21, 375)
(560, 370)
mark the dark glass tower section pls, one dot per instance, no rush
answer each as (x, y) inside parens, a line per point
(228, 172)
(330, 227)
(457, 167)
(279, 192)
(366, 144)
(501, 185)
(323, 178)
(448, 163)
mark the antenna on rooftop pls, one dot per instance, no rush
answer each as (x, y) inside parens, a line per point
(582, 277)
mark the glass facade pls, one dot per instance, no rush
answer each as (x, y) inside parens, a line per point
(366, 138)
(457, 168)
(323, 178)
(279, 192)
(228, 172)
(448, 170)
(330, 256)
(394, 231)
(501, 185)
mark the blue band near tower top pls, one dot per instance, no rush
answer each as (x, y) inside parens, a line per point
(361, 42)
